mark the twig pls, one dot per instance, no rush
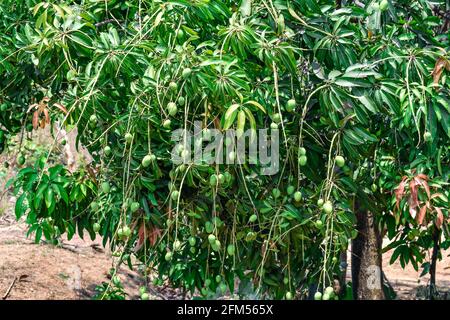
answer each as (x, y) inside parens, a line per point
(9, 289)
(97, 247)
(157, 293)
(67, 247)
(16, 279)
(78, 249)
(102, 23)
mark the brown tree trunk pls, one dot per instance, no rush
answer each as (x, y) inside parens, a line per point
(366, 258)
(343, 275)
(69, 148)
(73, 153)
(434, 256)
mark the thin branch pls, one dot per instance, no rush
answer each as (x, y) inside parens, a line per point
(105, 22)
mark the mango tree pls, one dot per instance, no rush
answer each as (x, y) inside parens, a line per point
(356, 90)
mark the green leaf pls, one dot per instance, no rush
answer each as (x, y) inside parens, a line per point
(49, 197)
(258, 105)
(365, 135)
(246, 8)
(352, 138)
(59, 189)
(396, 254)
(230, 115)
(368, 103)
(38, 235)
(240, 123)
(152, 199)
(81, 39)
(20, 208)
(252, 121)
(158, 19)
(350, 82)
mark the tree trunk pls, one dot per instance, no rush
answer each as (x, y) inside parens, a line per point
(73, 153)
(69, 154)
(366, 258)
(343, 275)
(434, 256)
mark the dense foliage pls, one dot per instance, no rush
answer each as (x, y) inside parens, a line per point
(358, 90)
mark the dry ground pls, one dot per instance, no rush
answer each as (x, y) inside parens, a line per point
(68, 271)
(407, 282)
(49, 272)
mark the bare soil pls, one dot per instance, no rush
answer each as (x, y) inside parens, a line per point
(407, 282)
(69, 271)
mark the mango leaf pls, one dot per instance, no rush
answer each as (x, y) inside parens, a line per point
(20, 207)
(230, 116)
(240, 123)
(49, 197)
(368, 103)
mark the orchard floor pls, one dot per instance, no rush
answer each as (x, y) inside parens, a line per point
(72, 271)
(69, 271)
(407, 283)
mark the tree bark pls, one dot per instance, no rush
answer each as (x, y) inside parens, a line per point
(343, 275)
(434, 256)
(366, 258)
(69, 148)
(73, 153)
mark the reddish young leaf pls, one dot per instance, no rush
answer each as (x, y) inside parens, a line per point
(35, 120)
(423, 182)
(60, 107)
(45, 100)
(412, 212)
(33, 106)
(152, 234)
(141, 237)
(414, 193)
(435, 195)
(439, 218)
(421, 216)
(439, 67)
(400, 191)
(422, 176)
(46, 116)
